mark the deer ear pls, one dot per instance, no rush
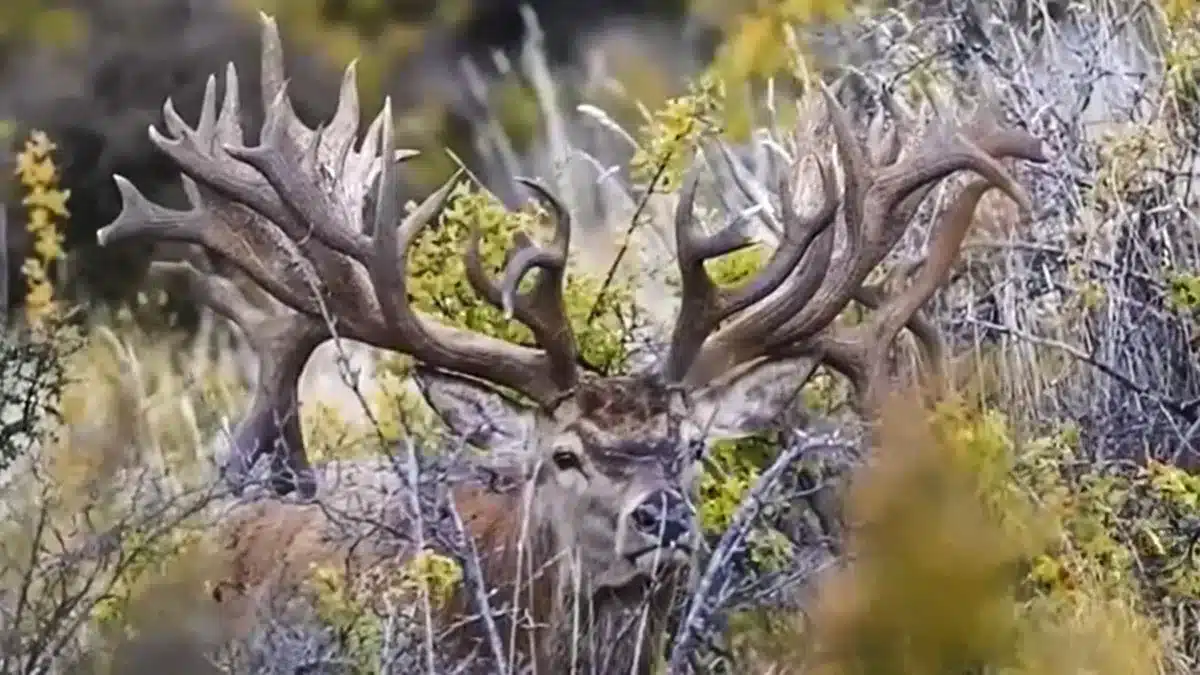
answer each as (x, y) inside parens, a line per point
(476, 411)
(756, 398)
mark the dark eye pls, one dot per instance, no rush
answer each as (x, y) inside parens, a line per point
(566, 460)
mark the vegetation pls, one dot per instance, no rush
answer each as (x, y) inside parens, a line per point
(1041, 518)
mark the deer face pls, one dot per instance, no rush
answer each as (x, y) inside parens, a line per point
(613, 469)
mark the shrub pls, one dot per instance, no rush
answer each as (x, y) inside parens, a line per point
(947, 566)
(33, 376)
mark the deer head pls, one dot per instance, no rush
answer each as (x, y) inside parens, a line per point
(315, 218)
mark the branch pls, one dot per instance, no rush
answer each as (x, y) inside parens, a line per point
(700, 609)
(1185, 409)
(473, 580)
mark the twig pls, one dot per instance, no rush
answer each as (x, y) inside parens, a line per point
(700, 609)
(418, 532)
(1187, 410)
(473, 579)
(634, 221)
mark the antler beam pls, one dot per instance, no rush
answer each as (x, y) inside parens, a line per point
(272, 425)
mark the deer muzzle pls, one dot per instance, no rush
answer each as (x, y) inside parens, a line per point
(667, 521)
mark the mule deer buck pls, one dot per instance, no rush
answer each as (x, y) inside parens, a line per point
(602, 467)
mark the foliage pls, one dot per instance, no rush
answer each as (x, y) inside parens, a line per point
(760, 40)
(156, 556)
(763, 42)
(91, 544)
(1126, 534)
(972, 548)
(673, 131)
(46, 202)
(730, 470)
(359, 612)
(33, 376)
(947, 525)
(439, 284)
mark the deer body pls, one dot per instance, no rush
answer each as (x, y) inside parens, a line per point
(569, 575)
(601, 469)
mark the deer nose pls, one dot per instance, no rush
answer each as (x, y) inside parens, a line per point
(665, 514)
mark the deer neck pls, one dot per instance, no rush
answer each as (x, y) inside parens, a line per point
(611, 630)
(522, 555)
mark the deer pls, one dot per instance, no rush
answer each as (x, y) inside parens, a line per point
(595, 515)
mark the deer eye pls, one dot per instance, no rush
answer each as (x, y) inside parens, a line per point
(566, 460)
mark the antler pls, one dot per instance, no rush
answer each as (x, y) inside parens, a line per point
(542, 309)
(704, 305)
(272, 424)
(292, 213)
(880, 197)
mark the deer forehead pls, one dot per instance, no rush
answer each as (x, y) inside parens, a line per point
(618, 411)
(616, 400)
(626, 426)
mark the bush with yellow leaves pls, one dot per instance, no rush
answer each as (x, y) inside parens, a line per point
(972, 551)
(361, 613)
(943, 571)
(46, 203)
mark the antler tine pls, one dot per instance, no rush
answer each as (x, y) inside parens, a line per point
(881, 194)
(283, 342)
(542, 309)
(856, 169)
(552, 259)
(289, 277)
(860, 352)
(329, 145)
(246, 209)
(199, 153)
(886, 143)
(705, 305)
(306, 183)
(284, 164)
(888, 200)
(744, 339)
(521, 368)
